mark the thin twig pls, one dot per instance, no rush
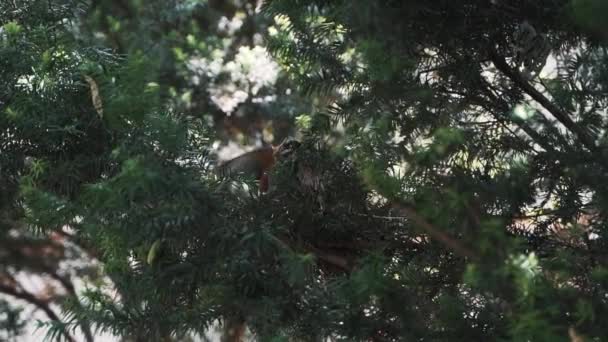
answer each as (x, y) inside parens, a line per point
(37, 302)
(332, 259)
(69, 287)
(436, 233)
(558, 113)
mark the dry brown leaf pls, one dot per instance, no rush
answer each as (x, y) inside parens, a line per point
(574, 336)
(95, 95)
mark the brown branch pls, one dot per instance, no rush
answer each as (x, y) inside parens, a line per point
(81, 243)
(501, 64)
(488, 90)
(434, 232)
(356, 244)
(474, 213)
(234, 330)
(85, 325)
(37, 263)
(332, 259)
(37, 302)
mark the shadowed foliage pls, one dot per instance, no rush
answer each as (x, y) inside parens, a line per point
(449, 183)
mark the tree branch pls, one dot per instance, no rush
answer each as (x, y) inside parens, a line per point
(37, 302)
(332, 259)
(501, 64)
(435, 233)
(490, 92)
(85, 325)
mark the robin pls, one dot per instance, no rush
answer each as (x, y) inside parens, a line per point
(258, 163)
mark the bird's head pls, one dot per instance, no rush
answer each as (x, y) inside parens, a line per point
(286, 148)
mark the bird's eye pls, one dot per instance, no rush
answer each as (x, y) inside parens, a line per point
(288, 147)
(292, 145)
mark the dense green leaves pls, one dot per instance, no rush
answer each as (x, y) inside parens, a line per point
(441, 125)
(446, 188)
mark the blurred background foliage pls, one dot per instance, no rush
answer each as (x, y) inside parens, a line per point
(450, 183)
(210, 59)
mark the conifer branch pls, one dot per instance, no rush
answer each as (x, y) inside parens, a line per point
(38, 303)
(444, 238)
(563, 117)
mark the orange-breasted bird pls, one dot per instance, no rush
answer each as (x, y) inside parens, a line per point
(258, 163)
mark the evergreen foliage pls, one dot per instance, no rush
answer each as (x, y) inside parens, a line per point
(503, 163)
(451, 189)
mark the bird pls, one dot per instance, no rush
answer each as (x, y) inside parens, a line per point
(258, 163)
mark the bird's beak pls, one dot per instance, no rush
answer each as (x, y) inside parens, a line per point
(285, 152)
(286, 148)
